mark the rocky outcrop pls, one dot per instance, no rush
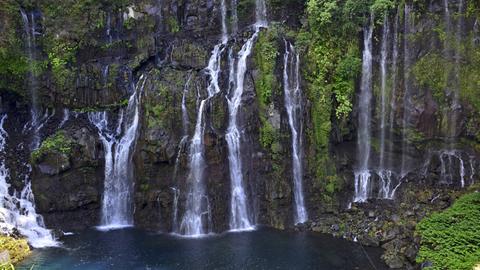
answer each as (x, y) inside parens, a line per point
(68, 186)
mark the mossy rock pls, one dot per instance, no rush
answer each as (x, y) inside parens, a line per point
(58, 143)
(14, 250)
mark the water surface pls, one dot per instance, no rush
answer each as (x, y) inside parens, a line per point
(263, 249)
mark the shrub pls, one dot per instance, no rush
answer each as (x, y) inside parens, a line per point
(450, 239)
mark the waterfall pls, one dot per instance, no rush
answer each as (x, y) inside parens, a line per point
(197, 202)
(108, 30)
(66, 117)
(185, 120)
(449, 159)
(261, 13)
(472, 170)
(476, 34)
(181, 147)
(18, 212)
(234, 16)
(383, 90)
(28, 20)
(176, 195)
(385, 171)
(362, 173)
(293, 106)
(223, 9)
(117, 202)
(447, 172)
(239, 214)
(407, 102)
(192, 222)
(393, 95)
(456, 106)
(197, 210)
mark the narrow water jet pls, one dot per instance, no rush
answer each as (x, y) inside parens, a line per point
(197, 207)
(28, 20)
(181, 148)
(66, 117)
(407, 94)
(239, 216)
(117, 201)
(393, 94)
(456, 106)
(383, 90)
(293, 106)
(261, 13)
(362, 173)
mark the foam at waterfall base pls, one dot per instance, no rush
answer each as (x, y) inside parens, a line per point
(112, 227)
(246, 229)
(41, 240)
(193, 236)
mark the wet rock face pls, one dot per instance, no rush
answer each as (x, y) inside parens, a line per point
(68, 187)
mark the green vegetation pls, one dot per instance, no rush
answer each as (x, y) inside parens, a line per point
(268, 90)
(17, 249)
(266, 85)
(13, 63)
(57, 143)
(265, 56)
(332, 62)
(450, 239)
(160, 113)
(173, 26)
(430, 73)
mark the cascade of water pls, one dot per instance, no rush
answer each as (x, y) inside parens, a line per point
(234, 16)
(476, 34)
(192, 221)
(19, 212)
(117, 203)
(239, 214)
(386, 175)
(66, 117)
(28, 20)
(293, 106)
(108, 30)
(393, 95)
(472, 170)
(181, 148)
(362, 173)
(197, 203)
(407, 102)
(176, 195)
(449, 159)
(261, 13)
(185, 120)
(447, 171)
(457, 56)
(383, 90)
(223, 10)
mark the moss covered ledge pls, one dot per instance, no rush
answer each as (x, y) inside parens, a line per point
(12, 251)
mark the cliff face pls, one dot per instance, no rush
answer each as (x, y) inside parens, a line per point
(83, 57)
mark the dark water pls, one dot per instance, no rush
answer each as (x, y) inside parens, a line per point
(263, 249)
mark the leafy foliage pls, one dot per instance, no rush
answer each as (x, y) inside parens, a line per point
(13, 63)
(450, 239)
(266, 85)
(57, 143)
